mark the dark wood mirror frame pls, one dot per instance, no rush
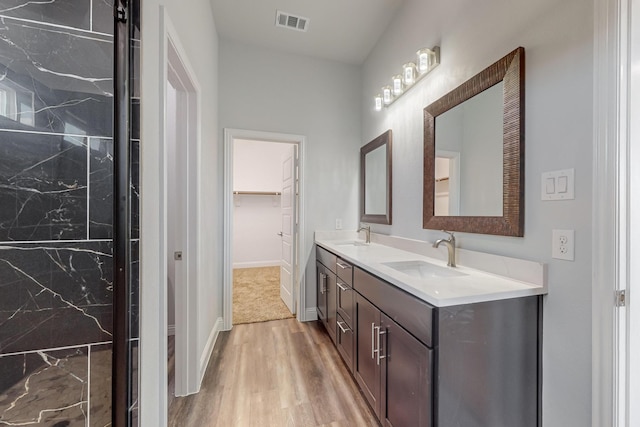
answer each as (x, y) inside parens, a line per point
(384, 139)
(510, 70)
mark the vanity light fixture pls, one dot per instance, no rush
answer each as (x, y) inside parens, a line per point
(412, 72)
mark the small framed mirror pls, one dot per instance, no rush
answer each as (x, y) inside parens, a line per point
(474, 153)
(375, 180)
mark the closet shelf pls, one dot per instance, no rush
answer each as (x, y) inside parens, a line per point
(258, 193)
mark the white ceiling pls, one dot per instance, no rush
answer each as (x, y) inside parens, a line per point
(341, 30)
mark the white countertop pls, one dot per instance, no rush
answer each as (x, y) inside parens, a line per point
(475, 286)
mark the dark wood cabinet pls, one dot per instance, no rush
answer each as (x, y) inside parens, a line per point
(326, 299)
(366, 368)
(393, 369)
(345, 341)
(322, 274)
(471, 365)
(406, 377)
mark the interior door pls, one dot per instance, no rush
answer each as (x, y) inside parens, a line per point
(287, 265)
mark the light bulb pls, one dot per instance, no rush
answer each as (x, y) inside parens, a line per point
(387, 95)
(425, 60)
(409, 73)
(378, 102)
(397, 85)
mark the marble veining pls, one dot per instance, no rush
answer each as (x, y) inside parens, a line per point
(44, 388)
(55, 296)
(68, 13)
(101, 188)
(56, 201)
(43, 187)
(61, 79)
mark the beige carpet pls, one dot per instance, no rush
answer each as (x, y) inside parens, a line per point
(256, 295)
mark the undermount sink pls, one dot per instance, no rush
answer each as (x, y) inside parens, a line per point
(352, 243)
(423, 269)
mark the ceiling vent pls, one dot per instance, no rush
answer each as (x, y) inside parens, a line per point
(293, 22)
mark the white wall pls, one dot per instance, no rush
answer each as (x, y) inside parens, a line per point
(266, 90)
(558, 38)
(257, 167)
(194, 24)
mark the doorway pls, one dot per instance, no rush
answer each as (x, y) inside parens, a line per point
(263, 177)
(284, 192)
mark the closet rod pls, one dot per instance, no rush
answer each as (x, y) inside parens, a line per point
(258, 193)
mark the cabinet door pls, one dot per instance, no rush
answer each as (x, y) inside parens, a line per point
(321, 293)
(406, 391)
(366, 369)
(332, 315)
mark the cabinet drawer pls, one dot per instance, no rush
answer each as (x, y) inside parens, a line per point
(345, 301)
(344, 342)
(344, 270)
(415, 315)
(326, 258)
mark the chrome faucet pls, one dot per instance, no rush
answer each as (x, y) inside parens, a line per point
(367, 229)
(450, 243)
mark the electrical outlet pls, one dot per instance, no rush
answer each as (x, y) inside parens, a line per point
(563, 244)
(338, 223)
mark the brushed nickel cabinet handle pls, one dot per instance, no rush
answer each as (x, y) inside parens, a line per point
(323, 284)
(343, 266)
(342, 328)
(379, 350)
(373, 334)
(342, 287)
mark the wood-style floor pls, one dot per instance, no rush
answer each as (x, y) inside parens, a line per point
(278, 373)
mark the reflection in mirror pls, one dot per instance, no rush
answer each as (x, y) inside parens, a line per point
(375, 185)
(375, 180)
(474, 153)
(468, 170)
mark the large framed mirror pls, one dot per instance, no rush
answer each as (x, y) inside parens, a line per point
(375, 180)
(474, 153)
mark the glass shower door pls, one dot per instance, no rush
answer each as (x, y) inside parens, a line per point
(56, 211)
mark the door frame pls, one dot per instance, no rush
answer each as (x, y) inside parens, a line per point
(181, 76)
(227, 275)
(153, 400)
(612, 204)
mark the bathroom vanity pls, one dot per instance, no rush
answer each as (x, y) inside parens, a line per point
(430, 345)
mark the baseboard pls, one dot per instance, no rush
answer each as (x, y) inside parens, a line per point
(310, 314)
(254, 264)
(171, 330)
(208, 349)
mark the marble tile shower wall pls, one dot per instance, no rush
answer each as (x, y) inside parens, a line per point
(56, 168)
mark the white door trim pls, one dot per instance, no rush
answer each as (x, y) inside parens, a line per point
(609, 255)
(181, 76)
(227, 277)
(153, 236)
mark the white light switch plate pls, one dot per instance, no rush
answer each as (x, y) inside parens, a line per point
(558, 185)
(338, 223)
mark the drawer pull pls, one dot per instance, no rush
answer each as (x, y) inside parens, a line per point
(342, 328)
(343, 266)
(342, 287)
(323, 284)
